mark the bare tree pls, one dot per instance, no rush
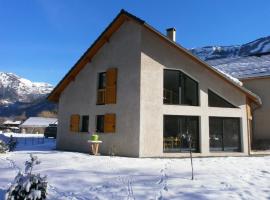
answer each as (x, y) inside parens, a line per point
(47, 113)
(189, 137)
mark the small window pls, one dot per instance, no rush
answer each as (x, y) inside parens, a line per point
(100, 123)
(106, 123)
(102, 80)
(85, 123)
(215, 100)
(107, 85)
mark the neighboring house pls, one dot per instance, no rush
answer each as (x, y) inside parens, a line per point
(10, 125)
(144, 94)
(254, 72)
(37, 124)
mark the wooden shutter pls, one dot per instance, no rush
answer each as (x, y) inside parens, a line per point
(111, 82)
(109, 123)
(75, 123)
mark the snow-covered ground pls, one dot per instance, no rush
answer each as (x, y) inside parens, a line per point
(78, 176)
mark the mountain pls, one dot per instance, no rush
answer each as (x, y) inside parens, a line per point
(21, 96)
(259, 46)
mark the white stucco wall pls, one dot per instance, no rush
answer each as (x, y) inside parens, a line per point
(155, 57)
(123, 53)
(261, 116)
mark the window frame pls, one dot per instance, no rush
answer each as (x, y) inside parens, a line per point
(82, 130)
(198, 137)
(182, 76)
(223, 146)
(98, 82)
(101, 90)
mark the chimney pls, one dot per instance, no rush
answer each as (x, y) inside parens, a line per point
(171, 34)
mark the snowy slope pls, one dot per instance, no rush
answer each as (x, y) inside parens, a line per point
(258, 46)
(78, 176)
(16, 89)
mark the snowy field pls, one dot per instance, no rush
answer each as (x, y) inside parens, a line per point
(78, 176)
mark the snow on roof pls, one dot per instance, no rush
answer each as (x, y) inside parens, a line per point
(39, 122)
(243, 67)
(12, 122)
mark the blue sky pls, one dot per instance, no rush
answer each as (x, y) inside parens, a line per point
(42, 39)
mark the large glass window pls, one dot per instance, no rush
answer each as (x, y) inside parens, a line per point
(224, 134)
(176, 131)
(179, 89)
(215, 100)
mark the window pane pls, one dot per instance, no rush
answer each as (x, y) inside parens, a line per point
(102, 80)
(171, 86)
(224, 134)
(100, 123)
(190, 91)
(231, 127)
(216, 134)
(85, 123)
(215, 100)
(176, 130)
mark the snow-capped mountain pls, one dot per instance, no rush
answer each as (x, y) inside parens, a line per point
(258, 46)
(19, 96)
(16, 89)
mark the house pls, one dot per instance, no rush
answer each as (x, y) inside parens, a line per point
(254, 72)
(145, 95)
(37, 124)
(10, 125)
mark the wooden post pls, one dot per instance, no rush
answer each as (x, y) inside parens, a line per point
(190, 153)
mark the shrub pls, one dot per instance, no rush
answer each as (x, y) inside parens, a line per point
(28, 186)
(3, 147)
(12, 143)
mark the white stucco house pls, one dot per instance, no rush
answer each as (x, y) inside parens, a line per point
(144, 94)
(254, 72)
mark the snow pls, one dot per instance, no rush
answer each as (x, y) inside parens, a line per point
(79, 176)
(243, 67)
(235, 80)
(9, 122)
(39, 122)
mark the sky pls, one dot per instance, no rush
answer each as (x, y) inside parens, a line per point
(42, 39)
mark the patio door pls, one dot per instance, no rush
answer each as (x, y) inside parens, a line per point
(224, 134)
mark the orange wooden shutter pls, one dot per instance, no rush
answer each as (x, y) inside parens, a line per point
(109, 123)
(111, 82)
(75, 123)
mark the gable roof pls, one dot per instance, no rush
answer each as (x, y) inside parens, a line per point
(105, 36)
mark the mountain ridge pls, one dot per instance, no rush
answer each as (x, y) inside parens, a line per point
(255, 47)
(21, 96)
